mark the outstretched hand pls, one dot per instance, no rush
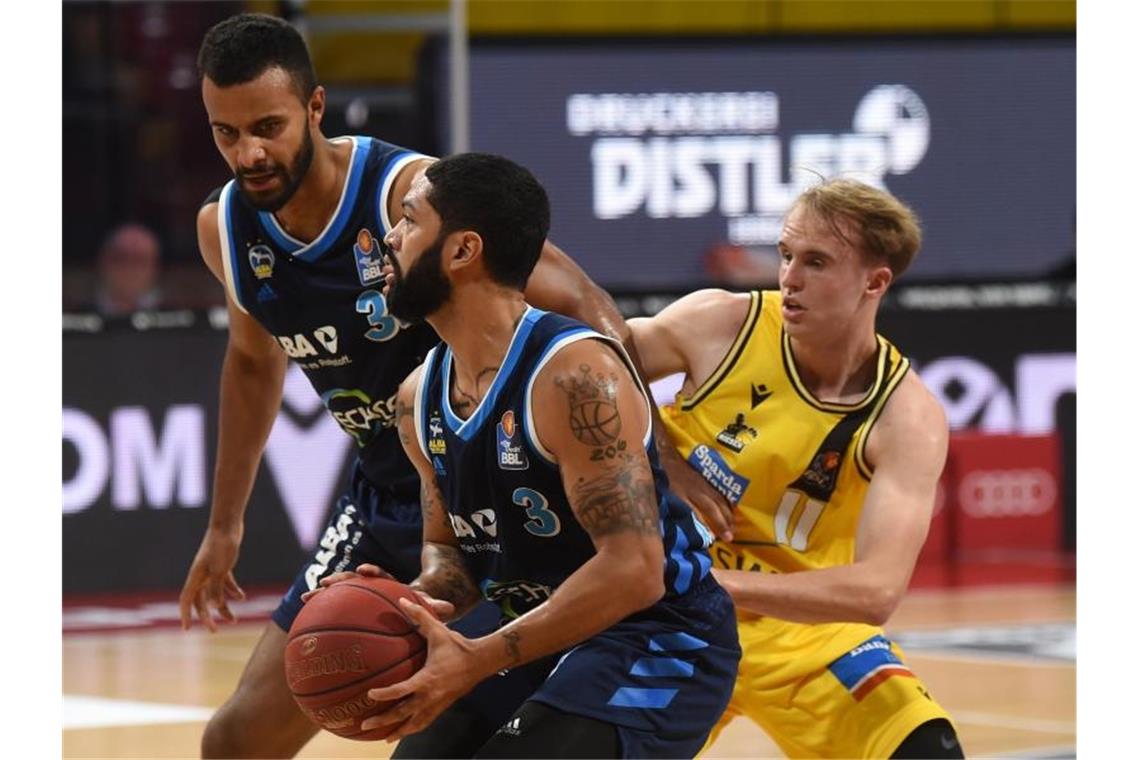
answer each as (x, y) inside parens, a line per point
(449, 672)
(211, 582)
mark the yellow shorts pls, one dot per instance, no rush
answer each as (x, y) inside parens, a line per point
(863, 704)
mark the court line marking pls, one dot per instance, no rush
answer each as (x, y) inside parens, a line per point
(1051, 751)
(997, 658)
(101, 712)
(1040, 725)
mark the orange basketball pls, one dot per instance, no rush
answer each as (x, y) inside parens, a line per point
(349, 638)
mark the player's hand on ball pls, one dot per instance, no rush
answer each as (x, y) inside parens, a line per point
(441, 608)
(447, 675)
(366, 570)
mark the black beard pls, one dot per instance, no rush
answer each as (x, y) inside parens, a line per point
(292, 176)
(418, 294)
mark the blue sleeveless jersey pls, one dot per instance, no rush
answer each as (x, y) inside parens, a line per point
(322, 301)
(504, 492)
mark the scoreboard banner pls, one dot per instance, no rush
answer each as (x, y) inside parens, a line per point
(657, 152)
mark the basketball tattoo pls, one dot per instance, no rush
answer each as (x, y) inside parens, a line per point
(594, 417)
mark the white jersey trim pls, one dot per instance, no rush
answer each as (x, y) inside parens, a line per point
(224, 239)
(393, 171)
(528, 403)
(421, 402)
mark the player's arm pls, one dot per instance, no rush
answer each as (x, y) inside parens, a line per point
(443, 574)
(907, 449)
(607, 479)
(690, 335)
(558, 284)
(253, 372)
(613, 498)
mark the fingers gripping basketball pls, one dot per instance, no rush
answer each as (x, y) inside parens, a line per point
(349, 638)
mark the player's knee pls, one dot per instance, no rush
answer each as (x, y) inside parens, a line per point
(245, 727)
(933, 739)
(223, 736)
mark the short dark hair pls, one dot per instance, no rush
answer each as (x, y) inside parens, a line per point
(500, 200)
(243, 47)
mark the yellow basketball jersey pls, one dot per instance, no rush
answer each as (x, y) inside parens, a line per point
(793, 466)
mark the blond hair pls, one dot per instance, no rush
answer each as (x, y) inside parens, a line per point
(888, 229)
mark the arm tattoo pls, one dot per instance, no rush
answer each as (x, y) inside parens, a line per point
(512, 639)
(431, 500)
(594, 417)
(403, 411)
(445, 576)
(622, 498)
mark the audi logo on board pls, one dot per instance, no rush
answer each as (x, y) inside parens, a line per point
(1007, 493)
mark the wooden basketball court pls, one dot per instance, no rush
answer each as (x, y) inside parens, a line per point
(1001, 660)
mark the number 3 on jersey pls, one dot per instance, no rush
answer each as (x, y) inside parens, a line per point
(543, 522)
(383, 326)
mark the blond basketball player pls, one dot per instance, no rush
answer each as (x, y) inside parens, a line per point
(830, 449)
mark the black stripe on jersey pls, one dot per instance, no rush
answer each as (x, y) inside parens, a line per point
(735, 351)
(832, 406)
(893, 382)
(821, 477)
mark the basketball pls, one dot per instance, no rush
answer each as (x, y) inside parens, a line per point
(349, 638)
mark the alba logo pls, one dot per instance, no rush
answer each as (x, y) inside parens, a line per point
(485, 519)
(327, 337)
(299, 347)
(1007, 493)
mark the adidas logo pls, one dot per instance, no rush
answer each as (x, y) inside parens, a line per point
(760, 394)
(266, 293)
(512, 727)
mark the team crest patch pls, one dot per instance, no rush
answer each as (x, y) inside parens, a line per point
(369, 258)
(733, 434)
(512, 455)
(823, 470)
(868, 665)
(436, 442)
(711, 465)
(261, 260)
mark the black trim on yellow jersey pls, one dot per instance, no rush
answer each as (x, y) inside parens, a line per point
(831, 406)
(821, 477)
(734, 353)
(861, 464)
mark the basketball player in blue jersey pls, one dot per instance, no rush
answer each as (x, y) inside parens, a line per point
(296, 239)
(541, 492)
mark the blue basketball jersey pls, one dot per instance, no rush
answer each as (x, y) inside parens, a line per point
(322, 301)
(504, 492)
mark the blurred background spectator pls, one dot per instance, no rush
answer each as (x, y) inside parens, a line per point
(128, 267)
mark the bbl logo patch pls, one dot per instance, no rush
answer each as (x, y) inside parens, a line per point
(261, 260)
(436, 443)
(512, 456)
(369, 259)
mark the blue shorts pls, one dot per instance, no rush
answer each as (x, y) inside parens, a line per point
(383, 528)
(367, 525)
(662, 676)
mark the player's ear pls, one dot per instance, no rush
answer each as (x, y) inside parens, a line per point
(468, 250)
(316, 106)
(878, 280)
